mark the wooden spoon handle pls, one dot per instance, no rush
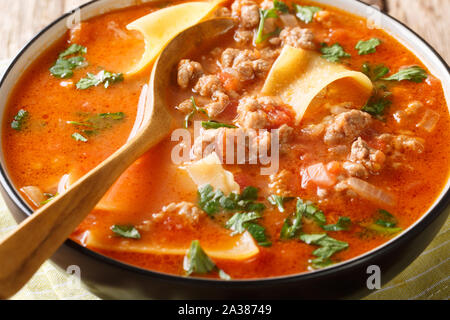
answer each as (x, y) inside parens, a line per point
(39, 236)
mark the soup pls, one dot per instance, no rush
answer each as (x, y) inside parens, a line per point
(302, 138)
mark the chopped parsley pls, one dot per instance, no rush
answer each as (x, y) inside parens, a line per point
(309, 210)
(19, 119)
(333, 53)
(328, 247)
(126, 231)
(49, 197)
(375, 73)
(306, 13)
(292, 226)
(278, 6)
(195, 109)
(214, 201)
(378, 102)
(414, 74)
(211, 124)
(258, 233)
(98, 122)
(79, 137)
(385, 223)
(238, 221)
(367, 47)
(278, 201)
(197, 261)
(342, 225)
(63, 67)
(103, 77)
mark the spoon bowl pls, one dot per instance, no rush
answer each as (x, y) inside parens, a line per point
(39, 236)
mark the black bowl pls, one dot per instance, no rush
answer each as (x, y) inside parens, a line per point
(108, 278)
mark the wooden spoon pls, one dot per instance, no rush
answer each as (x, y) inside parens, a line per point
(39, 236)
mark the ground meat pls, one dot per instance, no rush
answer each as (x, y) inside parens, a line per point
(355, 169)
(370, 158)
(189, 213)
(298, 38)
(225, 139)
(285, 133)
(280, 182)
(402, 143)
(251, 114)
(247, 12)
(347, 126)
(247, 64)
(243, 36)
(207, 85)
(219, 104)
(188, 71)
(185, 106)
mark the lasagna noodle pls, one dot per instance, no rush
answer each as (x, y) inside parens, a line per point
(298, 76)
(240, 247)
(161, 26)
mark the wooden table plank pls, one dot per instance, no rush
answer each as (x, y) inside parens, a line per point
(429, 18)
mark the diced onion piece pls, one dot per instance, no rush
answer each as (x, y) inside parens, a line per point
(318, 174)
(298, 76)
(239, 247)
(289, 20)
(210, 171)
(429, 120)
(64, 183)
(370, 192)
(34, 194)
(161, 26)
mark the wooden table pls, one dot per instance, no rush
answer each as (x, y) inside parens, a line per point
(21, 19)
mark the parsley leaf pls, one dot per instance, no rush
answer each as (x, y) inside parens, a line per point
(49, 197)
(258, 233)
(328, 247)
(385, 222)
(309, 210)
(306, 13)
(280, 6)
(342, 224)
(333, 53)
(374, 73)
(103, 77)
(263, 15)
(414, 74)
(73, 49)
(63, 67)
(78, 137)
(126, 231)
(278, 201)
(237, 222)
(213, 202)
(197, 261)
(195, 109)
(19, 119)
(98, 122)
(367, 47)
(378, 102)
(211, 124)
(291, 227)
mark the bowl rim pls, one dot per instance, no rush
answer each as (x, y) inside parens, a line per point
(437, 209)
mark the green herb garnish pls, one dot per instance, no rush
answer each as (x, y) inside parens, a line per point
(237, 221)
(328, 247)
(63, 67)
(367, 47)
(103, 77)
(385, 222)
(278, 201)
(19, 119)
(292, 226)
(49, 197)
(309, 210)
(278, 6)
(414, 74)
(342, 225)
(98, 122)
(78, 137)
(126, 231)
(197, 261)
(333, 53)
(375, 73)
(211, 124)
(195, 109)
(306, 13)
